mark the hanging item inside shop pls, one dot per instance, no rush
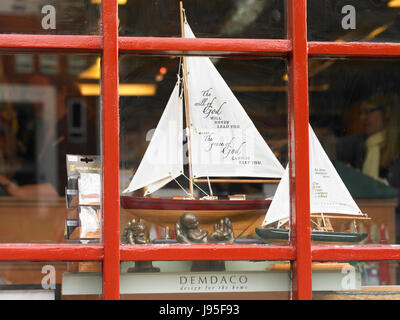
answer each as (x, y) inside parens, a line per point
(222, 141)
(329, 201)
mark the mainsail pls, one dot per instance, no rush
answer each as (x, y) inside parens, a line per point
(163, 160)
(328, 193)
(224, 140)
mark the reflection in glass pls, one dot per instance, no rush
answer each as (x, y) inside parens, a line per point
(355, 20)
(50, 16)
(44, 115)
(50, 280)
(356, 280)
(261, 92)
(356, 118)
(222, 18)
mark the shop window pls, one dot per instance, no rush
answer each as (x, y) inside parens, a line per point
(46, 114)
(268, 65)
(356, 119)
(50, 280)
(223, 19)
(50, 17)
(353, 20)
(239, 134)
(360, 280)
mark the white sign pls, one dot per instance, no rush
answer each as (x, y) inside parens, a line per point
(204, 282)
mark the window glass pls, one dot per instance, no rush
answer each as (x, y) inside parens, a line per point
(356, 280)
(208, 19)
(50, 16)
(50, 280)
(256, 280)
(353, 20)
(355, 116)
(238, 147)
(46, 113)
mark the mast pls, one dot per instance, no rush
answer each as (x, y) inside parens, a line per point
(186, 105)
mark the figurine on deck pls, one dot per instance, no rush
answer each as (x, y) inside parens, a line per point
(136, 233)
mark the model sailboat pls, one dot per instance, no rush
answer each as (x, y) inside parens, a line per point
(329, 199)
(222, 142)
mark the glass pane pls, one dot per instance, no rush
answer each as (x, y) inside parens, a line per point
(355, 115)
(50, 16)
(353, 20)
(356, 280)
(47, 113)
(238, 147)
(255, 280)
(50, 280)
(208, 19)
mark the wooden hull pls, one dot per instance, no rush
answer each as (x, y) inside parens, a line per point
(245, 215)
(270, 234)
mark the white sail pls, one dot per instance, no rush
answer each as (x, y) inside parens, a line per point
(279, 210)
(224, 140)
(328, 193)
(163, 159)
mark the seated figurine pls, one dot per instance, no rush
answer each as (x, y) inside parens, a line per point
(187, 229)
(136, 233)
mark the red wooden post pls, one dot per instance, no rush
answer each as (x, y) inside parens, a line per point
(111, 263)
(298, 150)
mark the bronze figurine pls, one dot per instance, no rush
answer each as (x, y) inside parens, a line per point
(222, 232)
(135, 232)
(187, 230)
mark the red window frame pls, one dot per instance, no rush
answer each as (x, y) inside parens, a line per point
(297, 50)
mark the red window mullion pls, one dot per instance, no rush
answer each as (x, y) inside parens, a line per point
(357, 253)
(204, 46)
(50, 252)
(49, 43)
(209, 251)
(298, 147)
(110, 104)
(353, 49)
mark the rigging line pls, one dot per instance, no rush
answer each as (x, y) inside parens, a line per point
(184, 14)
(323, 219)
(196, 185)
(180, 78)
(181, 186)
(209, 186)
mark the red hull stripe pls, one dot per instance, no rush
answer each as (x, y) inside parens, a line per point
(177, 204)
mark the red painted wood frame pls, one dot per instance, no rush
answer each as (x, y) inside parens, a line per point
(297, 50)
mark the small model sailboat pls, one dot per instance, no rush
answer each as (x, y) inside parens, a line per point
(222, 142)
(329, 199)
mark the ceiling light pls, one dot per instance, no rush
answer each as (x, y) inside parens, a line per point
(125, 89)
(121, 2)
